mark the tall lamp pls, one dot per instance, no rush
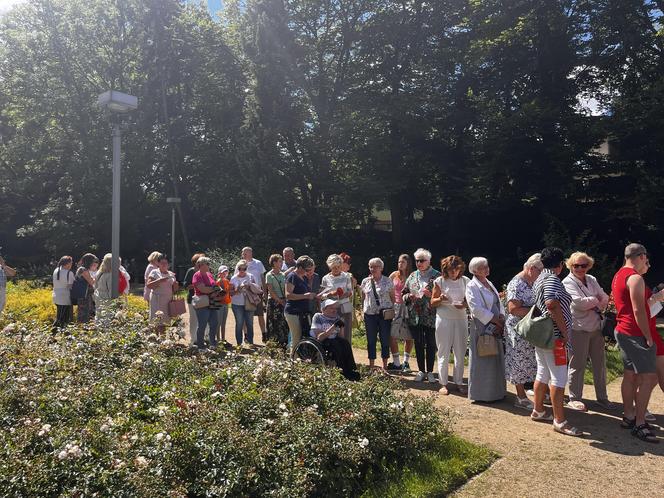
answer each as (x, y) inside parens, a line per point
(117, 103)
(173, 201)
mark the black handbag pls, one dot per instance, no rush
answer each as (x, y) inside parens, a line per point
(609, 323)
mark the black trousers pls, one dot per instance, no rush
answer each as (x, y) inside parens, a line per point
(343, 354)
(64, 315)
(425, 346)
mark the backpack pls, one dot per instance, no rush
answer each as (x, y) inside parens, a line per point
(79, 289)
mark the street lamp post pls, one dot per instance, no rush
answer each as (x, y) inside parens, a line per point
(173, 201)
(116, 102)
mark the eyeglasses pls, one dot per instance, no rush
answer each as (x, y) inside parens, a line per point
(421, 260)
(580, 265)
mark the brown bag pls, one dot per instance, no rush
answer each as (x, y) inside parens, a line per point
(487, 345)
(176, 308)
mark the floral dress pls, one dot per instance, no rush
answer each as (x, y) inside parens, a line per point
(277, 327)
(520, 362)
(419, 308)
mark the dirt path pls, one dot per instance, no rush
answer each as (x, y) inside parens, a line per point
(535, 461)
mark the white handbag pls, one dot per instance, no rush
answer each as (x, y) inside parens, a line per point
(200, 301)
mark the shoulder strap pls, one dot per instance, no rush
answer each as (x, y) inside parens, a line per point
(579, 287)
(375, 293)
(482, 296)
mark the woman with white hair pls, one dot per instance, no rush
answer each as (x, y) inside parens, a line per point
(588, 301)
(520, 362)
(377, 297)
(241, 283)
(338, 285)
(486, 381)
(421, 316)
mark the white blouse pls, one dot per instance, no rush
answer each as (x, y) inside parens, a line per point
(455, 291)
(62, 287)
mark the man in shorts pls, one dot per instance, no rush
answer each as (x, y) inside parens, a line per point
(635, 339)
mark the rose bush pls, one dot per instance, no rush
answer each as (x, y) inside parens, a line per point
(124, 412)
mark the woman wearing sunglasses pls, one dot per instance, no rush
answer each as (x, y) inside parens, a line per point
(586, 340)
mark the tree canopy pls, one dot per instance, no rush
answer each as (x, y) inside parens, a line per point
(301, 122)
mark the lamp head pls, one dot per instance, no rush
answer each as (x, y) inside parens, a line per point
(117, 101)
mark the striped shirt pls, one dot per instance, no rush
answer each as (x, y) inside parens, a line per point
(548, 287)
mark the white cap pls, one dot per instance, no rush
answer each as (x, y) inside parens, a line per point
(328, 302)
(222, 269)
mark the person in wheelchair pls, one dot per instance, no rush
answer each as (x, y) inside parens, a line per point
(329, 330)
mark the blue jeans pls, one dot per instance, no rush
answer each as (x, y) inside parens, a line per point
(206, 317)
(377, 327)
(242, 317)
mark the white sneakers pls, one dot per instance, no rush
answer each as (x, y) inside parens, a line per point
(421, 376)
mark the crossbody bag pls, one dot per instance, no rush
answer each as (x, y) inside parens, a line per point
(387, 313)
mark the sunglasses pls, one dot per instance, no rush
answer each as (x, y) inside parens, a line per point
(241, 269)
(421, 260)
(581, 265)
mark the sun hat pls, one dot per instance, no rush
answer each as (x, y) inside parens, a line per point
(328, 302)
(222, 269)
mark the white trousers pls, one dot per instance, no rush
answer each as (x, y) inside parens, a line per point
(193, 323)
(547, 370)
(451, 335)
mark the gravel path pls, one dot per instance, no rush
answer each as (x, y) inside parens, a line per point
(534, 460)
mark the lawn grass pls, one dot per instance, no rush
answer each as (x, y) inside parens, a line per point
(614, 366)
(436, 474)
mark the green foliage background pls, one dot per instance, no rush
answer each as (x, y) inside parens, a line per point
(292, 122)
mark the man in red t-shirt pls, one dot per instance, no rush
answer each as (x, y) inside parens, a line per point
(635, 338)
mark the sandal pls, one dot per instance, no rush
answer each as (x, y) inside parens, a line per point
(643, 433)
(541, 416)
(628, 423)
(566, 429)
(577, 405)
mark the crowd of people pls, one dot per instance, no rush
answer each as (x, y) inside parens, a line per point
(439, 312)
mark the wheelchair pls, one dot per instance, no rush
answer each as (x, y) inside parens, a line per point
(310, 350)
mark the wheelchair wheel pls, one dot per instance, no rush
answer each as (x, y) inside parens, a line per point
(309, 351)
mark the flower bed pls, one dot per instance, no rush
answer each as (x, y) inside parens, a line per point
(27, 300)
(125, 413)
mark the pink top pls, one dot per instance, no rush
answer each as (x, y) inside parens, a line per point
(398, 287)
(199, 278)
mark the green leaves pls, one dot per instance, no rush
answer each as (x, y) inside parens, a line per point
(125, 414)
